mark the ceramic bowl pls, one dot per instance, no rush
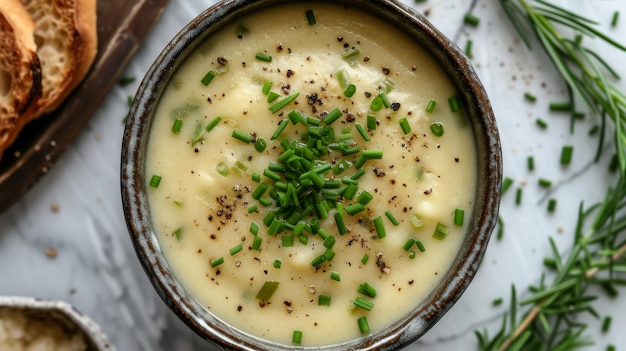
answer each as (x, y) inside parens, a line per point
(415, 323)
(60, 313)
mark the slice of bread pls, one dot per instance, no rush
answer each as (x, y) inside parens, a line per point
(66, 38)
(20, 72)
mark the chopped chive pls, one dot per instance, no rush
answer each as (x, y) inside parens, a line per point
(459, 216)
(178, 123)
(541, 123)
(441, 231)
(614, 19)
(350, 53)
(335, 276)
(375, 154)
(267, 290)
(436, 128)
(430, 107)
(178, 233)
(530, 162)
(468, 47)
(318, 260)
(296, 338)
(252, 208)
(364, 197)
(310, 17)
(518, 196)
(497, 302)
(281, 127)
(380, 227)
(263, 57)
(500, 232)
(606, 324)
(364, 326)
(282, 103)
(391, 217)
(384, 99)
(354, 209)
(362, 132)
(412, 254)
(341, 225)
(254, 228)
(267, 87)
(260, 144)
(408, 244)
(365, 258)
(208, 77)
(366, 289)
(234, 250)
(420, 246)
(155, 181)
(551, 205)
(323, 300)
(454, 104)
(239, 135)
(332, 116)
(404, 125)
(371, 122)
(530, 97)
(272, 95)
(124, 81)
(560, 106)
(287, 240)
(256, 243)
(277, 264)
(566, 154)
(377, 104)
(217, 262)
(213, 123)
(197, 134)
(471, 19)
(363, 303)
(545, 183)
(506, 184)
(350, 90)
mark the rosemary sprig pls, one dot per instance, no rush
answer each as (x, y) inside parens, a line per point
(548, 318)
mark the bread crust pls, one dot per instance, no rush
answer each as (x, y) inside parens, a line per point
(20, 71)
(66, 37)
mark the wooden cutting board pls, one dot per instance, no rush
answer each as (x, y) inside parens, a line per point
(122, 27)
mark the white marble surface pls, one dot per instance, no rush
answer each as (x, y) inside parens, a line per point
(76, 208)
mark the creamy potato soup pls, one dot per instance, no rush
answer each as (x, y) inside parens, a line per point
(310, 174)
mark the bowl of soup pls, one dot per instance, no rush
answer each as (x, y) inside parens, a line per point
(310, 174)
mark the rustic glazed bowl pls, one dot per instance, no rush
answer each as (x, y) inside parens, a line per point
(60, 313)
(416, 322)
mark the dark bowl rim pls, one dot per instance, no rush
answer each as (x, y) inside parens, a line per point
(413, 325)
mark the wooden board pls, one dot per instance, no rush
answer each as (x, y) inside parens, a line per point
(122, 26)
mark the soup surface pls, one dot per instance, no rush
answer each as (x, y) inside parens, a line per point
(309, 169)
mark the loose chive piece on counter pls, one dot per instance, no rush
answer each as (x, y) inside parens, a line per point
(284, 102)
(441, 231)
(545, 183)
(267, 290)
(404, 124)
(471, 19)
(178, 123)
(560, 106)
(208, 77)
(468, 47)
(614, 19)
(518, 196)
(213, 123)
(506, 184)
(531, 163)
(310, 17)
(364, 326)
(541, 123)
(530, 97)
(155, 180)
(239, 135)
(217, 262)
(566, 154)
(606, 324)
(430, 107)
(436, 128)
(551, 205)
(459, 216)
(263, 57)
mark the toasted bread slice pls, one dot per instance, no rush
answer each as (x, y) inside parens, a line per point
(20, 72)
(66, 38)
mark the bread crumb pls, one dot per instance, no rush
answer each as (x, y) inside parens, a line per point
(52, 253)
(55, 207)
